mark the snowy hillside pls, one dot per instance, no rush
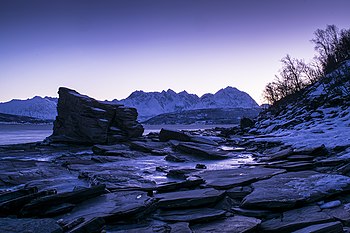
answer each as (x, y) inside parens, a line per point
(37, 107)
(321, 115)
(150, 104)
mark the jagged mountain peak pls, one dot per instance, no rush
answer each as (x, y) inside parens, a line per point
(37, 107)
(150, 104)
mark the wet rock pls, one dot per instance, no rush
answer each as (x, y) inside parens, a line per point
(10, 195)
(300, 157)
(57, 210)
(187, 199)
(181, 173)
(174, 158)
(84, 120)
(313, 151)
(229, 178)
(120, 178)
(333, 161)
(227, 204)
(201, 166)
(40, 205)
(91, 226)
(331, 204)
(180, 227)
(149, 147)
(17, 172)
(200, 150)
(293, 166)
(203, 140)
(236, 224)
(13, 225)
(246, 123)
(188, 183)
(331, 227)
(168, 134)
(156, 228)
(340, 213)
(13, 206)
(70, 225)
(104, 149)
(286, 190)
(296, 219)
(124, 205)
(281, 154)
(256, 213)
(239, 192)
(191, 215)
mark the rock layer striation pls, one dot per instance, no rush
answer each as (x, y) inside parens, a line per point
(82, 119)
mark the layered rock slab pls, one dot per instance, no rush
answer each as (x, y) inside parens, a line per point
(11, 225)
(187, 199)
(124, 205)
(236, 224)
(84, 120)
(292, 188)
(191, 215)
(295, 219)
(229, 178)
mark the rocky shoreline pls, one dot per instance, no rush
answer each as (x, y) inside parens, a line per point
(200, 181)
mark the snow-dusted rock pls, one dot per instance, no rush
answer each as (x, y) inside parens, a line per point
(286, 190)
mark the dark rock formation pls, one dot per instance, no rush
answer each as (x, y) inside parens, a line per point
(82, 119)
(246, 122)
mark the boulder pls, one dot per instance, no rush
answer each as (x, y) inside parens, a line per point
(168, 134)
(246, 122)
(84, 120)
(200, 150)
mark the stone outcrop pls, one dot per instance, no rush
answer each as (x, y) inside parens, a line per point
(84, 120)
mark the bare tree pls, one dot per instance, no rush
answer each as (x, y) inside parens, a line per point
(326, 42)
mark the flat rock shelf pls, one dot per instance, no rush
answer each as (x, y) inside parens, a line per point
(173, 181)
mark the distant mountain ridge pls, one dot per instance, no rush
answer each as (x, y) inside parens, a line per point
(148, 104)
(37, 107)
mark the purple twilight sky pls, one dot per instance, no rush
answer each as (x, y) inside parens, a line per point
(109, 48)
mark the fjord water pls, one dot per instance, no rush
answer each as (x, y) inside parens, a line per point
(25, 133)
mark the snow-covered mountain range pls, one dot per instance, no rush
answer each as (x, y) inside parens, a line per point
(148, 104)
(37, 107)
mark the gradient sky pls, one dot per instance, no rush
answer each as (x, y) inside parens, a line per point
(110, 48)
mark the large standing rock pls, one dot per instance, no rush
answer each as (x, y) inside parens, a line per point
(82, 119)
